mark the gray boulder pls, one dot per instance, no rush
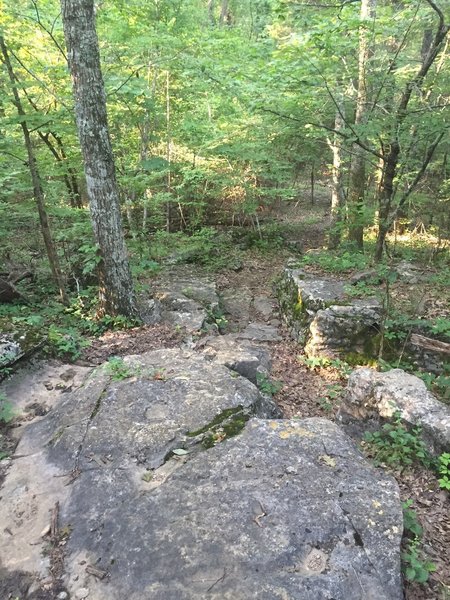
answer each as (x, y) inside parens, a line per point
(188, 303)
(376, 395)
(321, 317)
(350, 332)
(245, 357)
(285, 510)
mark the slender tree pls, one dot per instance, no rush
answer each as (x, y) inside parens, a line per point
(357, 188)
(392, 156)
(116, 286)
(35, 177)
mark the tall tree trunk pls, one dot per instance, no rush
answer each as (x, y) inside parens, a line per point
(337, 190)
(168, 156)
(116, 286)
(312, 177)
(429, 52)
(224, 16)
(211, 15)
(36, 180)
(356, 193)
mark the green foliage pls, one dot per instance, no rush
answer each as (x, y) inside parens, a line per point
(217, 316)
(119, 369)
(395, 446)
(331, 397)
(444, 470)
(7, 412)
(415, 565)
(438, 384)
(337, 262)
(342, 367)
(267, 385)
(65, 342)
(441, 326)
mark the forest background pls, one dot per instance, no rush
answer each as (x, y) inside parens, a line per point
(220, 114)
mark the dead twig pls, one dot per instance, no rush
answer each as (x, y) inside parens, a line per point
(54, 530)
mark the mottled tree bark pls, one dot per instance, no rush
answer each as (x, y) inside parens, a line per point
(337, 190)
(36, 179)
(356, 192)
(116, 286)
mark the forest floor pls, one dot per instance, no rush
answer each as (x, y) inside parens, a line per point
(303, 391)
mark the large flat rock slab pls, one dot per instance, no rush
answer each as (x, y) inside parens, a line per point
(287, 509)
(119, 430)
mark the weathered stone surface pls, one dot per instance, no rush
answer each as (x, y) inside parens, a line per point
(346, 331)
(427, 353)
(10, 351)
(245, 358)
(117, 430)
(236, 305)
(373, 395)
(186, 302)
(259, 332)
(301, 295)
(17, 344)
(288, 509)
(264, 306)
(320, 316)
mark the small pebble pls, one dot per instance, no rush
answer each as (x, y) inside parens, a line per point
(81, 593)
(62, 596)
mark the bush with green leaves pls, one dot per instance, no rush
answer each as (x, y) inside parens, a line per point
(267, 385)
(341, 261)
(444, 470)
(66, 342)
(416, 566)
(397, 446)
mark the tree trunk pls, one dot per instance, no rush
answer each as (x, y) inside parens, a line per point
(429, 52)
(224, 16)
(116, 286)
(337, 190)
(356, 193)
(168, 157)
(313, 182)
(36, 180)
(211, 15)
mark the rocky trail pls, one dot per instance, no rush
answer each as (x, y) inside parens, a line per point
(202, 461)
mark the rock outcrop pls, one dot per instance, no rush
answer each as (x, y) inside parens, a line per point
(187, 303)
(167, 490)
(322, 318)
(373, 395)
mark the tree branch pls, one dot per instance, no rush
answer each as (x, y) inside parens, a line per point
(420, 174)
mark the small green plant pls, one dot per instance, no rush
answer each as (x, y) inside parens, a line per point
(119, 370)
(331, 397)
(415, 566)
(318, 362)
(217, 316)
(66, 342)
(444, 470)
(7, 412)
(267, 385)
(394, 445)
(346, 260)
(315, 362)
